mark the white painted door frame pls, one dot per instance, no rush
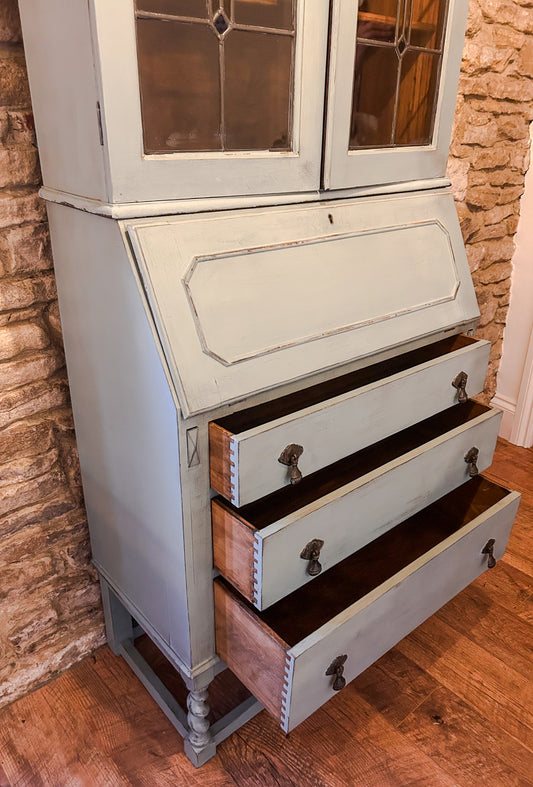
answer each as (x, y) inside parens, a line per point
(522, 431)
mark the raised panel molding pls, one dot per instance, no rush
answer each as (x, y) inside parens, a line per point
(286, 296)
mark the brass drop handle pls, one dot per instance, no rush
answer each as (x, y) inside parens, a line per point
(460, 383)
(336, 668)
(488, 549)
(311, 552)
(471, 458)
(289, 457)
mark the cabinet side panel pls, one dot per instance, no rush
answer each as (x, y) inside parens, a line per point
(57, 43)
(126, 423)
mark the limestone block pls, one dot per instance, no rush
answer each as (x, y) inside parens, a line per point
(19, 205)
(19, 293)
(25, 249)
(29, 492)
(19, 166)
(494, 273)
(485, 197)
(15, 91)
(507, 12)
(27, 468)
(35, 397)
(488, 306)
(27, 438)
(20, 337)
(35, 366)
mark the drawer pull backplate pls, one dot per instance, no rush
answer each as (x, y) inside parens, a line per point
(289, 456)
(488, 549)
(311, 552)
(460, 383)
(337, 668)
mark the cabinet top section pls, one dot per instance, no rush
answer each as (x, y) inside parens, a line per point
(248, 300)
(151, 101)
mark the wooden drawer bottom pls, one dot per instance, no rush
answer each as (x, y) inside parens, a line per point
(364, 605)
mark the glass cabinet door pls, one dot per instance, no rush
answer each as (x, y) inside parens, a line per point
(207, 98)
(392, 90)
(216, 76)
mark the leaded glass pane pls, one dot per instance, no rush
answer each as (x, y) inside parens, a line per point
(427, 23)
(179, 113)
(376, 77)
(418, 81)
(193, 8)
(257, 65)
(377, 22)
(264, 13)
(216, 74)
(390, 105)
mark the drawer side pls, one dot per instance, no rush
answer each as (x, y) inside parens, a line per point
(250, 649)
(220, 461)
(233, 549)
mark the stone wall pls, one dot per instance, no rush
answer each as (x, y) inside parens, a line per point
(49, 604)
(490, 153)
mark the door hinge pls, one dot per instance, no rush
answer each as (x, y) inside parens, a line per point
(99, 118)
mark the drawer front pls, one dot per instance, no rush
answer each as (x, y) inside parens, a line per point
(337, 427)
(294, 687)
(369, 629)
(265, 565)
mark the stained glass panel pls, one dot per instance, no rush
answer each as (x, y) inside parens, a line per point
(221, 81)
(377, 20)
(264, 13)
(427, 23)
(257, 65)
(179, 113)
(193, 8)
(401, 102)
(375, 79)
(414, 122)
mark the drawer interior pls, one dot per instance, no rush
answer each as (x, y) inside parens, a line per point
(301, 613)
(285, 405)
(285, 501)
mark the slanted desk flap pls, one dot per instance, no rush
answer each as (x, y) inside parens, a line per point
(246, 300)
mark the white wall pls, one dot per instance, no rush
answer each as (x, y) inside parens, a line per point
(515, 377)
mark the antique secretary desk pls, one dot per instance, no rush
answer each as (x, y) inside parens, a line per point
(268, 320)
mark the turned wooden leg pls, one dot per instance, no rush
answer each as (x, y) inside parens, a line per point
(199, 746)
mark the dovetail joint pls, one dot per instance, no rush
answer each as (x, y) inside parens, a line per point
(286, 694)
(234, 471)
(257, 570)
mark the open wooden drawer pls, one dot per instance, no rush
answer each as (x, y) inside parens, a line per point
(333, 419)
(264, 549)
(294, 656)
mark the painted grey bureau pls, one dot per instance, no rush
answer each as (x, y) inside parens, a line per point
(268, 318)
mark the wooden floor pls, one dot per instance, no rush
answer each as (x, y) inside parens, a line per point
(452, 704)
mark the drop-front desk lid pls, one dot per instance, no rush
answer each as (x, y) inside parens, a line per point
(246, 300)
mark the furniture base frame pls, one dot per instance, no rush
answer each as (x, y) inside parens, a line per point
(200, 737)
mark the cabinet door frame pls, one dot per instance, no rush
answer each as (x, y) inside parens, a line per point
(344, 168)
(134, 176)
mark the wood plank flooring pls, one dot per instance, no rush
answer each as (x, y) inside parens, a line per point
(452, 704)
